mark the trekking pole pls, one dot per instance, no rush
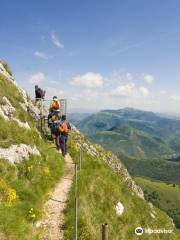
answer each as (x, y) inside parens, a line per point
(76, 203)
(105, 231)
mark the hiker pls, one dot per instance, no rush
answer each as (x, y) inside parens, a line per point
(39, 93)
(55, 106)
(54, 123)
(64, 130)
(49, 119)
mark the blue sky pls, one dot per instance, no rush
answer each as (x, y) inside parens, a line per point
(96, 53)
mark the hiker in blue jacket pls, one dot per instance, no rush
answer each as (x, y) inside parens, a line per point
(54, 123)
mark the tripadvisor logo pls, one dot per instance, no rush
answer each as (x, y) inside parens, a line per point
(139, 231)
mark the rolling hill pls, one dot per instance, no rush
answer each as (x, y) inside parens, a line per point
(139, 138)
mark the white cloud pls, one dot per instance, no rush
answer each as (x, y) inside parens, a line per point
(125, 49)
(60, 93)
(149, 78)
(129, 76)
(89, 94)
(163, 92)
(130, 90)
(124, 90)
(175, 98)
(144, 91)
(41, 55)
(88, 80)
(52, 91)
(56, 41)
(36, 78)
(53, 82)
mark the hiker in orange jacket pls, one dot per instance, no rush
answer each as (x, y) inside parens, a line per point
(55, 106)
(64, 129)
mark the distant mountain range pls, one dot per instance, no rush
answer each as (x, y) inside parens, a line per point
(148, 144)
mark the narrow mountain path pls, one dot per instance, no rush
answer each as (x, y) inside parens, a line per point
(55, 206)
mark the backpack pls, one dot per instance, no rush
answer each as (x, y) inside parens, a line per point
(65, 127)
(40, 93)
(54, 127)
(55, 105)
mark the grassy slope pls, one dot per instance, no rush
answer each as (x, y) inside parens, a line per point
(164, 196)
(100, 189)
(30, 179)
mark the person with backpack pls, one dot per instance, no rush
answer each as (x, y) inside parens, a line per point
(55, 106)
(54, 123)
(64, 129)
(39, 93)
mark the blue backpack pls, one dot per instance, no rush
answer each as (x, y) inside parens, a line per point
(54, 127)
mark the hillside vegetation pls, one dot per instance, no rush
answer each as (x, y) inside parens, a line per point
(166, 197)
(23, 185)
(99, 191)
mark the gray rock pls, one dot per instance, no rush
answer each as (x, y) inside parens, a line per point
(17, 153)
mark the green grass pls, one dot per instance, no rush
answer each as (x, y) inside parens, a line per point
(6, 66)
(31, 179)
(99, 190)
(164, 196)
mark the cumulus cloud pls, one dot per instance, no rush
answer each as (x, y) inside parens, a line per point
(129, 76)
(149, 78)
(130, 90)
(163, 92)
(144, 91)
(88, 80)
(175, 98)
(56, 41)
(36, 78)
(124, 90)
(54, 91)
(41, 55)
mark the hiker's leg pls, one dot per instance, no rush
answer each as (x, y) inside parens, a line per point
(66, 138)
(63, 145)
(54, 138)
(57, 142)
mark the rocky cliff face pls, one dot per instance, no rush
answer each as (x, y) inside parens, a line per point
(17, 153)
(6, 109)
(29, 165)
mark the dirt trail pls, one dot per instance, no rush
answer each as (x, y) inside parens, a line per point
(55, 206)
